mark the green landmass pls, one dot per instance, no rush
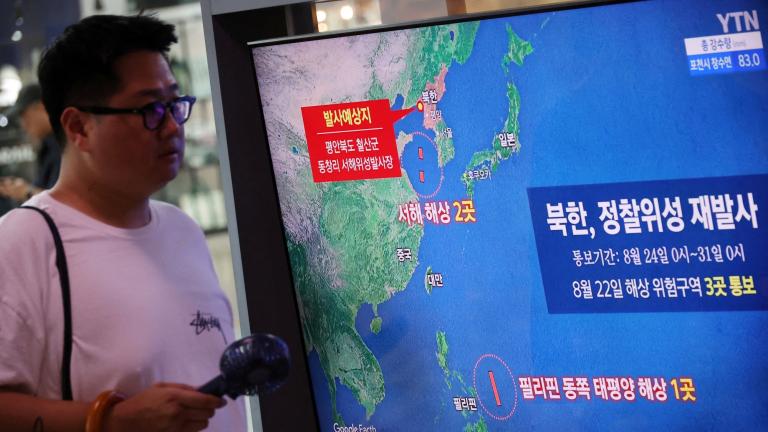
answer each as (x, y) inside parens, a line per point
(376, 325)
(431, 48)
(442, 358)
(427, 286)
(518, 49)
(350, 265)
(359, 221)
(376, 91)
(332, 334)
(479, 426)
(451, 376)
(496, 154)
(444, 143)
(442, 352)
(348, 262)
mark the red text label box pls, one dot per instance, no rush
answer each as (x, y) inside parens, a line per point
(352, 141)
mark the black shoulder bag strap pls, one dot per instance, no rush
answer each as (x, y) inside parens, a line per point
(61, 265)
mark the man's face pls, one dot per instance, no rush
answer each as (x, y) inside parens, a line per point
(123, 154)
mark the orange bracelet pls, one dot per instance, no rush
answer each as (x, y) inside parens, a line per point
(94, 422)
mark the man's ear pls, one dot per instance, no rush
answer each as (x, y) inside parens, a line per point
(74, 123)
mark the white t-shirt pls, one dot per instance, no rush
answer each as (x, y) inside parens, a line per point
(146, 305)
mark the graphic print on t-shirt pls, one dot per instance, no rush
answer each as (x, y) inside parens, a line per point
(207, 322)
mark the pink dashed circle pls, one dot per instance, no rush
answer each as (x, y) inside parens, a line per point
(480, 400)
(442, 173)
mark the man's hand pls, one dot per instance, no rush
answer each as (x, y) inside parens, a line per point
(15, 188)
(164, 407)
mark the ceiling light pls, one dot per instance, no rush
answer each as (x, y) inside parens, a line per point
(347, 12)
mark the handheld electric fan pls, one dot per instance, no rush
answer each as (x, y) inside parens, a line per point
(256, 364)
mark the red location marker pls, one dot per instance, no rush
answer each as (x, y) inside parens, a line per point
(352, 141)
(495, 390)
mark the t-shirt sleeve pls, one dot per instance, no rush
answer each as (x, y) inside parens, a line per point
(20, 353)
(24, 276)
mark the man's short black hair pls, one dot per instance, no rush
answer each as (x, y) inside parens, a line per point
(78, 68)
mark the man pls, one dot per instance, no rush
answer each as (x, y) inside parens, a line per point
(142, 281)
(34, 121)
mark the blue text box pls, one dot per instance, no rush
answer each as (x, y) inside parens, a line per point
(707, 230)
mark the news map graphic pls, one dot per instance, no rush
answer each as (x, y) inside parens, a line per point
(419, 171)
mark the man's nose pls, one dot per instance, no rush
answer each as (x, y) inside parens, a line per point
(170, 126)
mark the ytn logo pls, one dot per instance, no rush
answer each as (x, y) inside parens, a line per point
(748, 19)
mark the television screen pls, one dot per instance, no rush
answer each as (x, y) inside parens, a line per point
(551, 220)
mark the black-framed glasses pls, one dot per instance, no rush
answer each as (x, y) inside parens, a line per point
(153, 113)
